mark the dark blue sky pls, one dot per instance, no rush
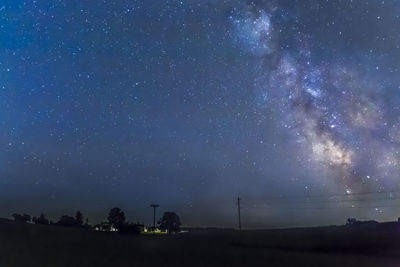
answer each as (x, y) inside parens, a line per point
(192, 103)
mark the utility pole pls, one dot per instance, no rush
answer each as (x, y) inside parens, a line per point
(154, 206)
(238, 204)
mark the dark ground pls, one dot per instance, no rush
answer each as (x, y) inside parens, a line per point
(38, 245)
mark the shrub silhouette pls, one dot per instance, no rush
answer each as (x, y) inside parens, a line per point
(66, 220)
(21, 218)
(103, 226)
(41, 219)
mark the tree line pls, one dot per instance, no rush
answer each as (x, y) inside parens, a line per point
(116, 219)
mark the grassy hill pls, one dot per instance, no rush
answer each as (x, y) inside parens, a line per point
(39, 245)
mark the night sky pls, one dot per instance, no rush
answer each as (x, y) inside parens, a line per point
(292, 105)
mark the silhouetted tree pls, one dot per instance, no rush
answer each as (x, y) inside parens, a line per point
(21, 218)
(170, 222)
(41, 219)
(116, 217)
(79, 219)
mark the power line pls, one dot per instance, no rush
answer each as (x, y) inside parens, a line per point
(332, 195)
(282, 203)
(331, 201)
(343, 207)
(330, 207)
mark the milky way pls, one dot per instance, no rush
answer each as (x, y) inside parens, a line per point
(335, 113)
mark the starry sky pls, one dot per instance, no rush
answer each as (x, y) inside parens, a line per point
(291, 105)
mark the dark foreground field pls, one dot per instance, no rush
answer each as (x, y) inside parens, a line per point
(36, 245)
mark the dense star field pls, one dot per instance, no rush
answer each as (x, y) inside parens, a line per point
(291, 105)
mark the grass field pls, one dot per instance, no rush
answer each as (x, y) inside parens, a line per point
(38, 245)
